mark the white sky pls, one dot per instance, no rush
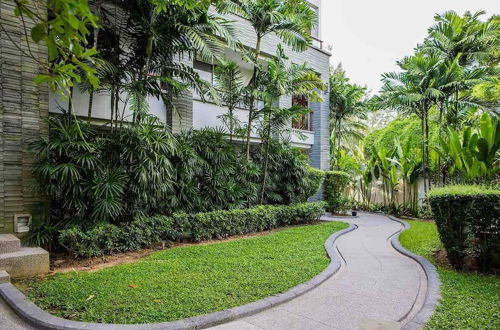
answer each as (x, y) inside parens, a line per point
(368, 36)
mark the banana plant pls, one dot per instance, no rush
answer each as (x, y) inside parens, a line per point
(407, 160)
(474, 153)
(386, 171)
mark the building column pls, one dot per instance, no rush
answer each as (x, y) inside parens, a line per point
(320, 151)
(23, 107)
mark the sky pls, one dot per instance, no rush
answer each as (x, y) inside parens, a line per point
(368, 36)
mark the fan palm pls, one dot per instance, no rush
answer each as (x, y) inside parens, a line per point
(290, 20)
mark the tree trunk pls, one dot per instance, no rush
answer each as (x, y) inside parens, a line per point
(112, 104)
(91, 101)
(231, 124)
(253, 87)
(70, 101)
(266, 159)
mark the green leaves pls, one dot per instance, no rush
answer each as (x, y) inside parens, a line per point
(64, 31)
(474, 153)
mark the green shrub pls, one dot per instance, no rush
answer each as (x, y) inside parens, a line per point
(334, 186)
(315, 179)
(105, 239)
(468, 221)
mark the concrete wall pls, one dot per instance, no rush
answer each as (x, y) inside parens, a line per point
(23, 106)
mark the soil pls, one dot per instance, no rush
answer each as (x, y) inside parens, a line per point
(441, 258)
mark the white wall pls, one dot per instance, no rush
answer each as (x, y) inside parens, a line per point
(101, 108)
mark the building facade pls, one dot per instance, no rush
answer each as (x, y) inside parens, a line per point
(24, 105)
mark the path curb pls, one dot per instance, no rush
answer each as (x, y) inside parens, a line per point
(41, 319)
(433, 294)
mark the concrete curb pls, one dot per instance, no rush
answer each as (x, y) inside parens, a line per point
(41, 319)
(433, 294)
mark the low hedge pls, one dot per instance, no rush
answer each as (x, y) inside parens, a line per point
(468, 221)
(334, 186)
(105, 239)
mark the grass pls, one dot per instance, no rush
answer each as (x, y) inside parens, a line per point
(188, 281)
(469, 301)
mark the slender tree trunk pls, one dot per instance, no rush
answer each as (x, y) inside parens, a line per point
(112, 105)
(266, 159)
(96, 38)
(253, 87)
(70, 101)
(231, 124)
(117, 100)
(91, 101)
(427, 151)
(424, 146)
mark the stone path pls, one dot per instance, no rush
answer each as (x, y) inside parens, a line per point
(376, 288)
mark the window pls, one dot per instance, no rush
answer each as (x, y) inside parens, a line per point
(303, 122)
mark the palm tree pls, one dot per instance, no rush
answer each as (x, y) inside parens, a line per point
(454, 35)
(144, 39)
(231, 88)
(282, 79)
(415, 90)
(290, 20)
(347, 109)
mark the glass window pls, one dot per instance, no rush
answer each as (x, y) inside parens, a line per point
(304, 122)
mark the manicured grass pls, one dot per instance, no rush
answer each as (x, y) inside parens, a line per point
(469, 301)
(188, 281)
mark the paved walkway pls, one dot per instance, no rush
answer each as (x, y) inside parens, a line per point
(376, 288)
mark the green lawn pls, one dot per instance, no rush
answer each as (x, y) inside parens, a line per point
(188, 281)
(469, 301)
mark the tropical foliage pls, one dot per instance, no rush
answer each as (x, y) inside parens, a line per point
(92, 177)
(447, 126)
(290, 20)
(348, 108)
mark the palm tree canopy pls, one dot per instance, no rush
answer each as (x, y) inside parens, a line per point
(291, 20)
(466, 35)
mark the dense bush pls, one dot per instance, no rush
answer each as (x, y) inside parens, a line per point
(288, 175)
(315, 179)
(468, 221)
(334, 186)
(107, 238)
(93, 176)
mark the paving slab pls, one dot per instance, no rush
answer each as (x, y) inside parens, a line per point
(376, 288)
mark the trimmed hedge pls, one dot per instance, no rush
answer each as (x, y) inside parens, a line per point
(105, 239)
(334, 186)
(468, 221)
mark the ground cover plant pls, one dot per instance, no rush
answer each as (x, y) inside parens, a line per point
(469, 300)
(188, 281)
